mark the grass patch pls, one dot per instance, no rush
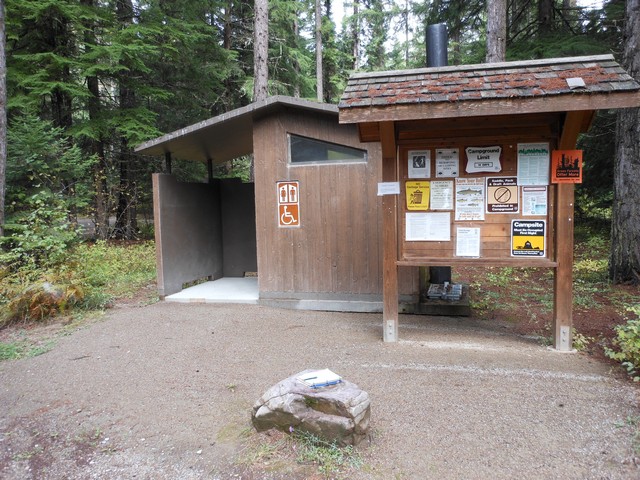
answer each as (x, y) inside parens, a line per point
(19, 349)
(92, 277)
(10, 351)
(300, 454)
(329, 457)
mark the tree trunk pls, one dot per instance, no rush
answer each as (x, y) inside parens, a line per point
(227, 28)
(624, 265)
(96, 146)
(405, 19)
(319, 84)
(545, 16)
(328, 61)
(356, 34)
(260, 50)
(496, 31)
(3, 117)
(126, 221)
(295, 63)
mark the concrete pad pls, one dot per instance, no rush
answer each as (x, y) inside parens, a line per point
(223, 290)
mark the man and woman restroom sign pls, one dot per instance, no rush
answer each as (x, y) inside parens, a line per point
(288, 204)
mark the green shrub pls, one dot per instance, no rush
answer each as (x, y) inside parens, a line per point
(90, 277)
(47, 180)
(627, 344)
(39, 235)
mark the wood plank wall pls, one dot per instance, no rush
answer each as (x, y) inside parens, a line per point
(337, 248)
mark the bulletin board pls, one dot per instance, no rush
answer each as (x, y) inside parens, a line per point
(487, 203)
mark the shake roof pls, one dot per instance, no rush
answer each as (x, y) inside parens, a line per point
(453, 89)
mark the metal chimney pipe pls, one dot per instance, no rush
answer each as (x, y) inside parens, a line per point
(437, 45)
(437, 40)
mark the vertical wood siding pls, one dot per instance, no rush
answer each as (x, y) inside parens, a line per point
(337, 248)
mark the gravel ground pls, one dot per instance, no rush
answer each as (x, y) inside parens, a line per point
(165, 392)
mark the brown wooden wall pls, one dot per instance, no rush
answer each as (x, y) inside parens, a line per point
(337, 249)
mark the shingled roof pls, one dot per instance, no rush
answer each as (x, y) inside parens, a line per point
(460, 90)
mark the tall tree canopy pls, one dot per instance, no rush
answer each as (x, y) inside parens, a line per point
(106, 75)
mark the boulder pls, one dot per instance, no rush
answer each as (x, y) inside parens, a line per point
(337, 413)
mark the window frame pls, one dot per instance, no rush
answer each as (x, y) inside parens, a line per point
(365, 153)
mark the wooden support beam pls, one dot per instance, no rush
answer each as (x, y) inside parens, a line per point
(389, 235)
(210, 169)
(167, 162)
(564, 214)
(563, 274)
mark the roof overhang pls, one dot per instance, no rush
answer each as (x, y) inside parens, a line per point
(226, 136)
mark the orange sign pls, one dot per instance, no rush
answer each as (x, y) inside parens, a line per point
(566, 166)
(288, 204)
(288, 216)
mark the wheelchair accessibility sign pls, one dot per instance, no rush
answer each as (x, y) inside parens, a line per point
(288, 204)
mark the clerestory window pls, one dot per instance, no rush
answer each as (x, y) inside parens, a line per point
(303, 150)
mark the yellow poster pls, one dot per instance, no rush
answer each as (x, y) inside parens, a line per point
(528, 238)
(417, 195)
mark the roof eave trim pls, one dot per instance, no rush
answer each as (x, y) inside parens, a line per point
(473, 108)
(250, 109)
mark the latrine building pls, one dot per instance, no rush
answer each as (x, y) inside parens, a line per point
(436, 166)
(327, 257)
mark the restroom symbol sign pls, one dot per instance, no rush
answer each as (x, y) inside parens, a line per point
(288, 204)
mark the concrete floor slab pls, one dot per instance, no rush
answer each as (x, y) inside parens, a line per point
(223, 290)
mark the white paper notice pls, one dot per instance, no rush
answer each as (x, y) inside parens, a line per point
(469, 199)
(419, 163)
(428, 227)
(467, 242)
(447, 162)
(533, 164)
(388, 188)
(441, 195)
(483, 159)
(534, 200)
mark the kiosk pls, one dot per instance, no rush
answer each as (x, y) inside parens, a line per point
(479, 164)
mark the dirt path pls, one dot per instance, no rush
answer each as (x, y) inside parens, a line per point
(165, 391)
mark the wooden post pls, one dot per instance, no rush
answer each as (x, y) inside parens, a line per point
(564, 221)
(210, 169)
(563, 277)
(167, 162)
(389, 235)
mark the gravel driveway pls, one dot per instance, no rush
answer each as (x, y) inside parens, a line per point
(165, 392)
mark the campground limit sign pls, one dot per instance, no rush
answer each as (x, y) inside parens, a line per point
(528, 238)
